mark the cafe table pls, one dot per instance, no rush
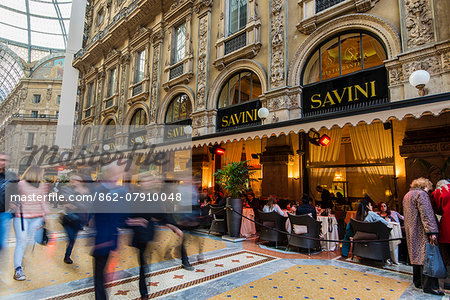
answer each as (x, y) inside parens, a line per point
(395, 233)
(248, 226)
(329, 232)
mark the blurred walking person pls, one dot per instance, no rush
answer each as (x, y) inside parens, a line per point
(29, 217)
(420, 227)
(76, 212)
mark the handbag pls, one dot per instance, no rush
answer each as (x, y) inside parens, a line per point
(41, 236)
(71, 219)
(433, 265)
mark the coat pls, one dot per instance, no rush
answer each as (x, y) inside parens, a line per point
(441, 204)
(420, 222)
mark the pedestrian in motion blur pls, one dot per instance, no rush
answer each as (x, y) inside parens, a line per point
(420, 227)
(76, 212)
(29, 216)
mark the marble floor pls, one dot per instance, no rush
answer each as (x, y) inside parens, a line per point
(225, 270)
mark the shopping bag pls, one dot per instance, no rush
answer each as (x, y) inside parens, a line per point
(41, 236)
(433, 265)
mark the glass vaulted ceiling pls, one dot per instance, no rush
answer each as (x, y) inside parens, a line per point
(32, 29)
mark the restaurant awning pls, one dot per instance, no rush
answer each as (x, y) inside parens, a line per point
(417, 107)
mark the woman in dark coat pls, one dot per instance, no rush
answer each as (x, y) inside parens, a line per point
(420, 228)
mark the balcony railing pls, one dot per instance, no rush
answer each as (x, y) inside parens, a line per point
(33, 116)
(137, 89)
(176, 71)
(324, 4)
(235, 43)
(123, 13)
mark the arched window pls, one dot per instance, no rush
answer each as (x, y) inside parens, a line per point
(87, 137)
(138, 120)
(241, 87)
(109, 131)
(342, 55)
(179, 109)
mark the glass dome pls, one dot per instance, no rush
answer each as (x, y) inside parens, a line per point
(32, 30)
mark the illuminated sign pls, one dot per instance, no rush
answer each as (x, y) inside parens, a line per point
(238, 116)
(347, 92)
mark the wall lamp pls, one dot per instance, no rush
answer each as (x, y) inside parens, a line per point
(419, 79)
(319, 140)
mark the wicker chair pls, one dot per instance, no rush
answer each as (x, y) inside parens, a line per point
(219, 223)
(371, 231)
(314, 229)
(272, 220)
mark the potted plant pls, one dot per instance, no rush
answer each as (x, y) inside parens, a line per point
(234, 178)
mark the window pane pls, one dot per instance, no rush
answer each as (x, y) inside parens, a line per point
(242, 14)
(233, 16)
(234, 90)
(350, 53)
(183, 110)
(140, 64)
(312, 69)
(374, 53)
(180, 42)
(256, 87)
(245, 86)
(169, 117)
(223, 98)
(112, 80)
(176, 109)
(36, 99)
(330, 59)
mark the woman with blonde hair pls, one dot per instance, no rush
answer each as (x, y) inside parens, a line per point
(272, 206)
(420, 228)
(29, 217)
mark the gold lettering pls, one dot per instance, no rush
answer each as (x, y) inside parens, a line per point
(372, 86)
(250, 115)
(364, 92)
(339, 98)
(225, 121)
(328, 99)
(349, 93)
(313, 100)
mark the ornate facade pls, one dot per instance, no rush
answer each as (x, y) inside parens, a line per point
(29, 114)
(158, 50)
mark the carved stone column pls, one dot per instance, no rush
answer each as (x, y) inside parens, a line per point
(277, 43)
(203, 10)
(157, 39)
(123, 84)
(100, 87)
(417, 23)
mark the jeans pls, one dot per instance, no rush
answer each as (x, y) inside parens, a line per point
(30, 226)
(5, 225)
(346, 246)
(71, 235)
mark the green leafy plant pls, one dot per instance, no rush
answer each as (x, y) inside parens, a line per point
(234, 178)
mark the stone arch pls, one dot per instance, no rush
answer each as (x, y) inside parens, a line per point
(370, 23)
(238, 65)
(179, 89)
(84, 130)
(133, 109)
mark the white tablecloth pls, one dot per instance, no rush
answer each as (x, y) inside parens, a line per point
(328, 233)
(247, 226)
(395, 233)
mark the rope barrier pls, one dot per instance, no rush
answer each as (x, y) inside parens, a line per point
(311, 238)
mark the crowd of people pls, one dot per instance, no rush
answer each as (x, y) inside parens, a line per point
(420, 207)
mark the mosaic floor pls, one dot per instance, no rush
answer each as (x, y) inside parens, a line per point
(226, 270)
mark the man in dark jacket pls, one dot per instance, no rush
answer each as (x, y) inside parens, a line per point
(326, 197)
(306, 207)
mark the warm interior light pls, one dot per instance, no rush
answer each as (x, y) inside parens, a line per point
(217, 150)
